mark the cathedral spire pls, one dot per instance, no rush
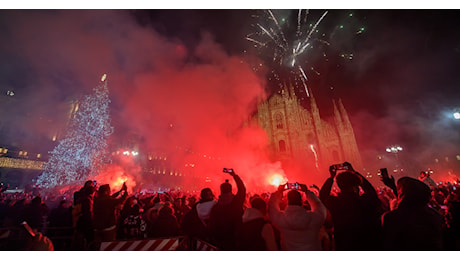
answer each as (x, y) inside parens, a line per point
(314, 107)
(291, 91)
(337, 117)
(315, 113)
(343, 112)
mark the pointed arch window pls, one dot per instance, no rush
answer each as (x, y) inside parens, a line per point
(335, 156)
(282, 145)
(279, 121)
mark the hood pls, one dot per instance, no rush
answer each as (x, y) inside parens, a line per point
(204, 209)
(251, 214)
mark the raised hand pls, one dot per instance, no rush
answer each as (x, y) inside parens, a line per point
(303, 187)
(281, 187)
(332, 171)
(350, 167)
(388, 181)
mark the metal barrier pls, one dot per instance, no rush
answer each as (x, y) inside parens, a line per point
(158, 244)
(204, 246)
(13, 239)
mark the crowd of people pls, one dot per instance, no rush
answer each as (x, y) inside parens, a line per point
(407, 214)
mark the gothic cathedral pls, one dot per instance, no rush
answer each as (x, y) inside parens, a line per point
(301, 137)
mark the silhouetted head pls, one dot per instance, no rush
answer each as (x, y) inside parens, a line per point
(348, 181)
(136, 209)
(192, 201)
(166, 210)
(104, 189)
(294, 198)
(225, 188)
(88, 184)
(412, 192)
(259, 204)
(206, 195)
(37, 200)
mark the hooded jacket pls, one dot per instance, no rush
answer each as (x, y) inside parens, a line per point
(256, 233)
(195, 221)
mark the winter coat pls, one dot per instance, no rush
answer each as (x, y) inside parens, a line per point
(356, 218)
(226, 216)
(195, 221)
(299, 227)
(104, 210)
(256, 233)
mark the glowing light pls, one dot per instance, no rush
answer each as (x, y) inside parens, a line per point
(312, 148)
(83, 150)
(394, 149)
(6, 162)
(287, 49)
(277, 179)
(457, 115)
(104, 77)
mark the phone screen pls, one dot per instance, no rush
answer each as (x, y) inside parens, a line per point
(292, 186)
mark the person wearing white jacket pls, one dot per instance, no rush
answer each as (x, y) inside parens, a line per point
(299, 228)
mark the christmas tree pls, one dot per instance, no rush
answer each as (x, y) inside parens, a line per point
(82, 152)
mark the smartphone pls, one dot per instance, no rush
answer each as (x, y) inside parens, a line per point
(384, 172)
(294, 186)
(228, 170)
(28, 229)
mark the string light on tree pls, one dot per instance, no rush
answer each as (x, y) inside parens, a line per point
(83, 150)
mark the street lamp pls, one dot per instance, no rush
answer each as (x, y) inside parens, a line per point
(395, 149)
(456, 115)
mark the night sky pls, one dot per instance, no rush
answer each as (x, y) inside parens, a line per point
(167, 66)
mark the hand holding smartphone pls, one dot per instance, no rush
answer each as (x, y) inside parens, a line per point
(229, 170)
(384, 173)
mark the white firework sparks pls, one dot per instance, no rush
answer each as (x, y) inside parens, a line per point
(288, 48)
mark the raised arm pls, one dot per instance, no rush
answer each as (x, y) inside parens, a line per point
(388, 181)
(240, 196)
(367, 187)
(327, 186)
(316, 205)
(274, 210)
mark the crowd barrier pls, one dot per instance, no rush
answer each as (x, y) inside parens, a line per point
(158, 244)
(11, 239)
(165, 244)
(204, 246)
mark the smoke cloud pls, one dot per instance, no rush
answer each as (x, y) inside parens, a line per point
(189, 103)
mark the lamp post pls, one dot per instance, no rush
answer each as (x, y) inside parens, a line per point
(395, 149)
(456, 115)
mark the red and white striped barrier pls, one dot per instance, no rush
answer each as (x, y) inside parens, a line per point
(168, 244)
(204, 246)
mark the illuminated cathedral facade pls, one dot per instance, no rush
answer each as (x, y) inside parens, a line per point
(299, 135)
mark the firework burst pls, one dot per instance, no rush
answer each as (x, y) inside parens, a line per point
(293, 41)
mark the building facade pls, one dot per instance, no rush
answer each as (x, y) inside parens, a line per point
(300, 136)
